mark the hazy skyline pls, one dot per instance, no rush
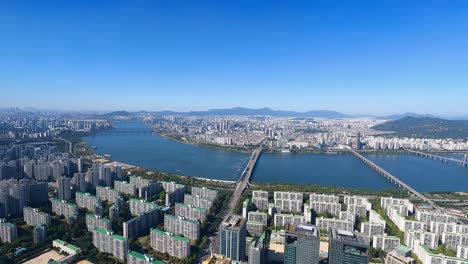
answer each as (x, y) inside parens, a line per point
(362, 58)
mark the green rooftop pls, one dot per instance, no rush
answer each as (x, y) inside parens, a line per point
(102, 231)
(158, 231)
(194, 207)
(8, 224)
(144, 257)
(121, 238)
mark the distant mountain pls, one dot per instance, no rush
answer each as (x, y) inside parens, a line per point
(426, 127)
(241, 111)
(400, 116)
(117, 113)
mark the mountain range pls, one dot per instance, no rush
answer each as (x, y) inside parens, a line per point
(241, 111)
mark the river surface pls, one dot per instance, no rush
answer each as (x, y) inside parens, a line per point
(154, 152)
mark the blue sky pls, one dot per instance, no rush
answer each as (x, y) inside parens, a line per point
(374, 57)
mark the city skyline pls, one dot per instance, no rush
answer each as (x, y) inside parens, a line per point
(366, 58)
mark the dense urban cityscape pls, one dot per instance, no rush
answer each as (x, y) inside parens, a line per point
(234, 132)
(61, 202)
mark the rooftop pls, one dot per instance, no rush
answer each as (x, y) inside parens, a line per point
(347, 236)
(303, 229)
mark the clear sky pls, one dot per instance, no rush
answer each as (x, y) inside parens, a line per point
(373, 57)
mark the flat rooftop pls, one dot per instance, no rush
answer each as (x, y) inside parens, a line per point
(347, 236)
(302, 229)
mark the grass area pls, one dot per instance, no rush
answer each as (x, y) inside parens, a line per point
(442, 249)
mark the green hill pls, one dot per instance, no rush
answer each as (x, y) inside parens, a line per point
(426, 127)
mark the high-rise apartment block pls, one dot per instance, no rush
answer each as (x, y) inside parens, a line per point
(87, 200)
(96, 221)
(288, 201)
(142, 223)
(191, 212)
(8, 231)
(107, 194)
(125, 187)
(138, 206)
(63, 188)
(204, 192)
(33, 216)
(62, 207)
(260, 200)
(106, 241)
(166, 242)
(181, 226)
(198, 201)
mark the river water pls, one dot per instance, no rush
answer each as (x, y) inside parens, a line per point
(154, 152)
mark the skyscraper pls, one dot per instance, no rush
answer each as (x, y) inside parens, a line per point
(347, 247)
(63, 188)
(232, 238)
(301, 244)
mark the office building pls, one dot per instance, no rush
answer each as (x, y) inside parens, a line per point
(232, 238)
(347, 247)
(33, 217)
(191, 212)
(181, 226)
(166, 242)
(106, 241)
(301, 244)
(256, 249)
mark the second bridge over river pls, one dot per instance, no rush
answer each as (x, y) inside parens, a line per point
(395, 180)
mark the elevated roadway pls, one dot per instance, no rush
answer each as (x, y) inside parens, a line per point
(395, 180)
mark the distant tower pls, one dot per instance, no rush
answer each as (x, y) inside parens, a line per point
(358, 141)
(63, 185)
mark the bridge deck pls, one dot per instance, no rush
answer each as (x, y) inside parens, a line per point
(394, 179)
